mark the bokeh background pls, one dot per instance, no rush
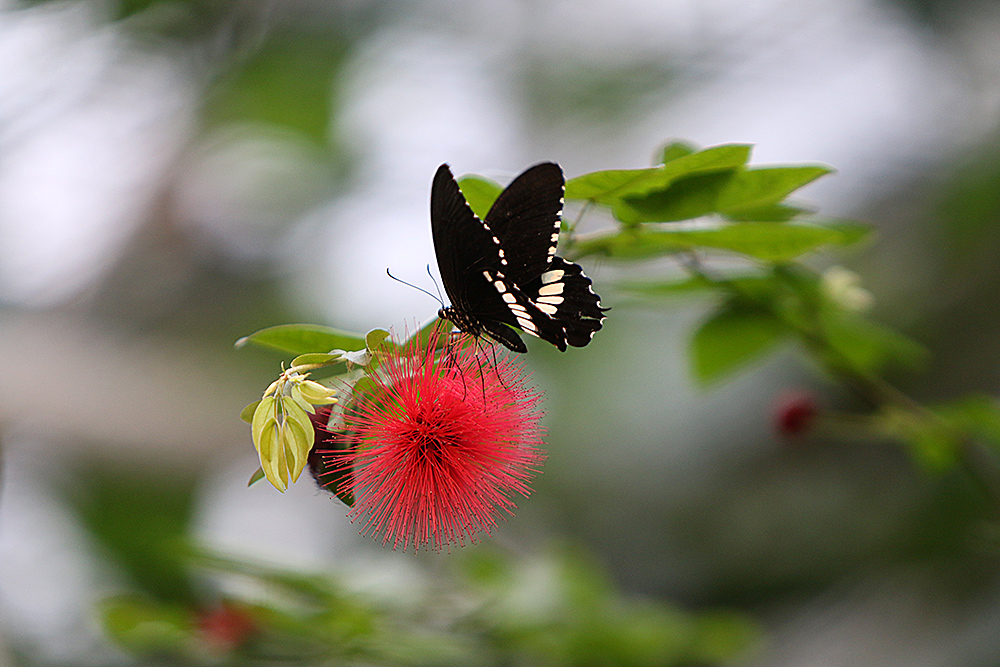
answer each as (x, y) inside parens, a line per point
(175, 174)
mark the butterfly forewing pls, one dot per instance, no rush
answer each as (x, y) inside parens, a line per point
(503, 272)
(465, 251)
(526, 218)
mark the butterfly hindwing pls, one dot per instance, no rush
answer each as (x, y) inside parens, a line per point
(565, 294)
(502, 272)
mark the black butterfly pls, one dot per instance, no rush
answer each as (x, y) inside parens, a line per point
(503, 271)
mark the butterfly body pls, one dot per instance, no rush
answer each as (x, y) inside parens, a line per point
(502, 273)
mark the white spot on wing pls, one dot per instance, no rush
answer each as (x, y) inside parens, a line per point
(547, 308)
(552, 276)
(554, 300)
(527, 325)
(551, 289)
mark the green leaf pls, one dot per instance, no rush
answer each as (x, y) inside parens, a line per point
(480, 193)
(138, 517)
(304, 338)
(375, 338)
(767, 241)
(321, 358)
(668, 287)
(272, 455)
(674, 150)
(932, 441)
(722, 637)
(766, 213)
(978, 415)
(297, 447)
(732, 337)
(248, 412)
(145, 627)
(256, 477)
(869, 347)
(296, 395)
(298, 436)
(286, 80)
(263, 415)
(608, 187)
(761, 186)
(686, 199)
(731, 191)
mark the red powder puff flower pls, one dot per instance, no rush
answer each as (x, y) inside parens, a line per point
(434, 453)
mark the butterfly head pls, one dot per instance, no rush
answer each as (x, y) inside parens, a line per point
(462, 322)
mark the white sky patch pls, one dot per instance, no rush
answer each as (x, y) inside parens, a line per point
(88, 126)
(413, 102)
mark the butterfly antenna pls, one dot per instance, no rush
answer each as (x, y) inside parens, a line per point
(400, 280)
(436, 286)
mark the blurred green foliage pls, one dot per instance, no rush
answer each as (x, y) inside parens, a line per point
(554, 609)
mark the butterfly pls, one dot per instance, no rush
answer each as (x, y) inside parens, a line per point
(502, 273)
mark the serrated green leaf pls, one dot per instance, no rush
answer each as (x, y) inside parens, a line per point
(480, 193)
(263, 415)
(767, 241)
(303, 338)
(316, 358)
(731, 338)
(247, 413)
(761, 186)
(256, 477)
(608, 187)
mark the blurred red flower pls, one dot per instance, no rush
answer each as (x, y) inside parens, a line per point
(795, 413)
(434, 452)
(226, 627)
